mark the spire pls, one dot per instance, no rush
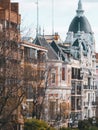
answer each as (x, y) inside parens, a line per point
(80, 5)
(79, 11)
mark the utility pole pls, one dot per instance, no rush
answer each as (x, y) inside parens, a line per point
(37, 28)
(52, 17)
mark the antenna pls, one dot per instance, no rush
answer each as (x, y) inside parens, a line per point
(37, 29)
(52, 17)
(43, 31)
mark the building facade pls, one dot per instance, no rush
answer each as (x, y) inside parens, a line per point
(34, 67)
(97, 84)
(81, 44)
(10, 20)
(57, 103)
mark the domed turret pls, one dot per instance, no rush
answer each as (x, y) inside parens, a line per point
(80, 22)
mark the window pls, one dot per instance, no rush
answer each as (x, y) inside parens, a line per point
(53, 77)
(88, 97)
(78, 87)
(63, 73)
(73, 88)
(30, 54)
(52, 110)
(1, 27)
(29, 92)
(75, 73)
(73, 103)
(30, 109)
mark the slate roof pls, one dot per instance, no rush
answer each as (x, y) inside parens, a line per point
(76, 43)
(42, 42)
(59, 50)
(80, 24)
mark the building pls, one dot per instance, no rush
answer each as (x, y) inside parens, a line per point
(81, 45)
(34, 65)
(10, 58)
(10, 20)
(97, 84)
(57, 103)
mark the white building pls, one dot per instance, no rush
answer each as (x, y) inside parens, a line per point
(83, 62)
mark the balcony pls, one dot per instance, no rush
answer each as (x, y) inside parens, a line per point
(94, 87)
(93, 103)
(72, 91)
(78, 107)
(86, 87)
(79, 92)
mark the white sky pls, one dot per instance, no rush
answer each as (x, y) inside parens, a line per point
(64, 12)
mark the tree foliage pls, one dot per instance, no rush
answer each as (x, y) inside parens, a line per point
(87, 124)
(35, 124)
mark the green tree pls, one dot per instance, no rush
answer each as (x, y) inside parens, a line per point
(35, 124)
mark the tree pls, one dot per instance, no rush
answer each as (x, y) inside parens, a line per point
(34, 124)
(11, 88)
(35, 70)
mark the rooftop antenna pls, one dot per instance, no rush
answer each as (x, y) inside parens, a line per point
(37, 29)
(52, 17)
(43, 31)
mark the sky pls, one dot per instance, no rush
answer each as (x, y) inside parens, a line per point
(64, 12)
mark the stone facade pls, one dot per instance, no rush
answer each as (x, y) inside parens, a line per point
(83, 62)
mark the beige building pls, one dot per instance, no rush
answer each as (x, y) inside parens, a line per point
(57, 103)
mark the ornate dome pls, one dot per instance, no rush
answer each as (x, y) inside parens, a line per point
(80, 22)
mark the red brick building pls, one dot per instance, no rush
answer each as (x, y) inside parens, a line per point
(9, 20)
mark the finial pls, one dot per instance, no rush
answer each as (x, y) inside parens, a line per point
(79, 10)
(79, 5)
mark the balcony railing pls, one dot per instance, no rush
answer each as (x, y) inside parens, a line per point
(72, 91)
(86, 87)
(79, 92)
(90, 87)
(78, 107)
